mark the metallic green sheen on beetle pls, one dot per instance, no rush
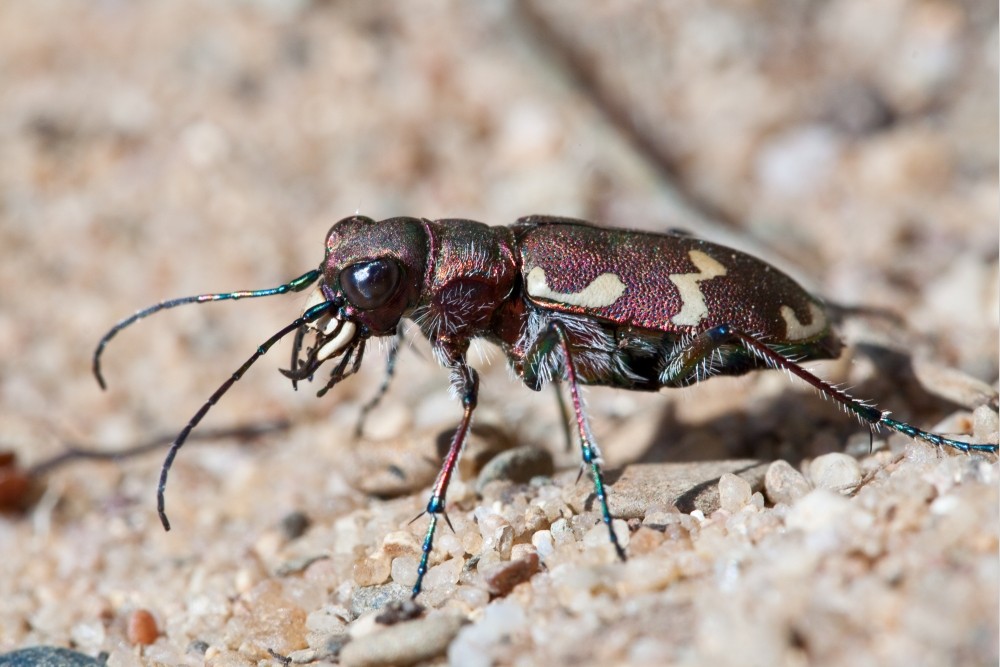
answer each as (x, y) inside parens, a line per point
(567, 301)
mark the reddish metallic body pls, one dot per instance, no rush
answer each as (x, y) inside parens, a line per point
(566, 301)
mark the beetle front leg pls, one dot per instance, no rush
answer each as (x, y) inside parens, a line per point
(555, 336)
(390, 370)
(466, 382)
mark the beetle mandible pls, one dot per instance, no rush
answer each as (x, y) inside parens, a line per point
(565, 300)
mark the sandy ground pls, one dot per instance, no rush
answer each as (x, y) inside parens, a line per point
(153, 150)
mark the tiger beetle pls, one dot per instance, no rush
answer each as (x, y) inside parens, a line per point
(567, 301)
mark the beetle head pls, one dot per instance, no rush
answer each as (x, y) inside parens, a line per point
(374, 270)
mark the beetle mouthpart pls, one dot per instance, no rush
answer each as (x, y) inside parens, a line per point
(333, 347)
(328, 323)
(316, 297)
(330, 327)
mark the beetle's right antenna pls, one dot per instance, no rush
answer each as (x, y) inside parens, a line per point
(310, 315)
(296, 285)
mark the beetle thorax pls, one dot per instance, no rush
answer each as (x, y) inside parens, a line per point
(471, 272)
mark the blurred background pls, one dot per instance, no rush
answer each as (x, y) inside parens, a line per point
(160, 149)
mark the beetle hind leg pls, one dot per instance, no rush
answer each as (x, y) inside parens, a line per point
(679, 369)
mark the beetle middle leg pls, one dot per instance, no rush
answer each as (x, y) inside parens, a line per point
(466, 382)
(563, 415)
(555, 336)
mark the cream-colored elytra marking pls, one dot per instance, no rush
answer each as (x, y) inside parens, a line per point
(603, 291)
(795, 330)
(694, 309)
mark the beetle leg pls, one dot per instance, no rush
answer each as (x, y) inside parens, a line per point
(466, 382)
(300, 335)
(711, 339)
(390, 370)
(563, 414)
(355, 350)
(555, 335)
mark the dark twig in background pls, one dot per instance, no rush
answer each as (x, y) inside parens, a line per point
(74, 452)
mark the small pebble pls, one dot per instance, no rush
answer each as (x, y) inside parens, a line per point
(501, 579)
(398, 466)
(542, 541)
(952, 384)
(328, 620)
(472, 542)
(688, 486)
(450, 544)
(596, 536)
(328, 651)
(400, 543)
(295, 524)
(818, 510)
(534, 519)
(399, 611)
(497, 534)
(985, 424)
(372, 570)
(644, 540)
(734, 493)
(445, 575)
(15, 483)
(477, 642)
(403, 643)
(142, 628)
(404, 570)
(473, 596)
(197, 647)
(394, 418)
(561, 532)
(365, 600)
(522, 550)
(784, 484)
(516, 465)
(837, 472)
(487, 560)
(485, 441)
(47, 656)
(642, 575)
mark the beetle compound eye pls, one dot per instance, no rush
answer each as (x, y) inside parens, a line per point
(368, 285)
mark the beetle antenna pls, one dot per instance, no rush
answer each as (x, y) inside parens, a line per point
(296, 285)
(310, 315)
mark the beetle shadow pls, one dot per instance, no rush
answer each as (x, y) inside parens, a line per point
(797, 425)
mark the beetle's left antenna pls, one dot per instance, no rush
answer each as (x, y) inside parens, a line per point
(296, 285)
